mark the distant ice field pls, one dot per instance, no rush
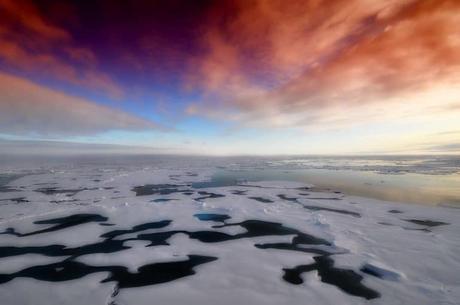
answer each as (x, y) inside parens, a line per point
(175, 230)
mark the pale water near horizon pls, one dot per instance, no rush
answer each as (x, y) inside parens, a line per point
(409, 187)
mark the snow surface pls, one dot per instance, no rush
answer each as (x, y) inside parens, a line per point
(406, 254)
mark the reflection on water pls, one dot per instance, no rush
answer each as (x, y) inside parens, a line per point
(409, 187)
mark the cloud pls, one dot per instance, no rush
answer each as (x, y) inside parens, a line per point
(454, 147)
(30, 43)
(327, 63)
(448, 133)
(9, 149)
(29, 109)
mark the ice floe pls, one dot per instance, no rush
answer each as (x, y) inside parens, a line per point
(144, 234)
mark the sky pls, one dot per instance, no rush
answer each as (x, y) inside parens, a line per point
(257, 77)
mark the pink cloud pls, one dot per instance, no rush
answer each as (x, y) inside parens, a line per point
(298, 64)
(28, 42)
(29, 109)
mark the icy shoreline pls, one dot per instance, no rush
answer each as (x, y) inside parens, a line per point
(260, 243)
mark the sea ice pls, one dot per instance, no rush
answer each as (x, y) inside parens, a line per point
(143, 234)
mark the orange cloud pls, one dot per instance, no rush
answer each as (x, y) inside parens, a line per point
(298, 64)
(29, 109)
(28, 42)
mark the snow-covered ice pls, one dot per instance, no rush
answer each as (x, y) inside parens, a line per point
(143, 235)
